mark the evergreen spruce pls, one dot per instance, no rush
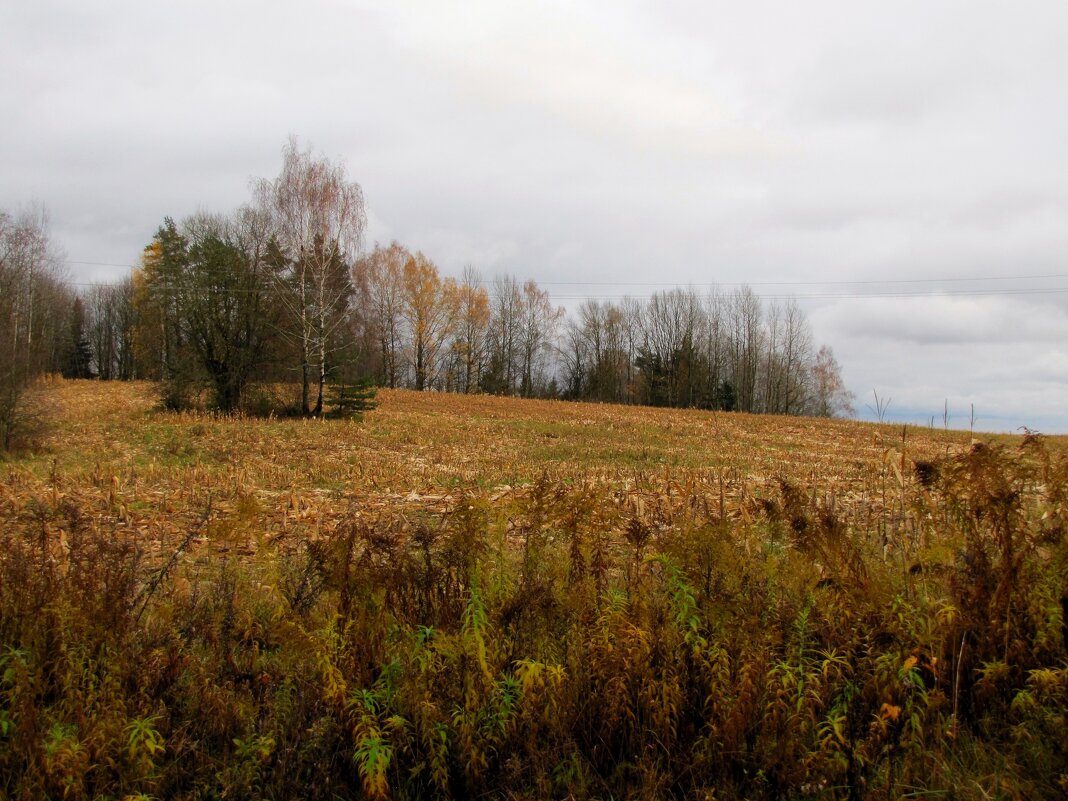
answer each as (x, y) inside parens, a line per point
(78, 354)
(351, 400)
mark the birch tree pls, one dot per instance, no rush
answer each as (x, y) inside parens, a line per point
(794, 359)
(671, 322)
(830, 396)
(34, 314)
(538, 324)
(318, 220)
(506, 303)
(380, 275)
(598, 354)
(745, 341)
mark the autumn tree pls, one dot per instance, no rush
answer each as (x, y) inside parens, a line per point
(429, 310)
(830, 396)
(380, 278)
(318, 220)
(160, 334)
(468, 354)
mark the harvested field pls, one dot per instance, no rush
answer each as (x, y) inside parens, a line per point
(115, 453)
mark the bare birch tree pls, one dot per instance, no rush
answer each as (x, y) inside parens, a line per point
(597, 342)
(506, 302)
(380, 274)
(671, 323)
(745, 338)
(538, 324)
(830, 398)
(795, 356)
(318, 219)
(34, 313)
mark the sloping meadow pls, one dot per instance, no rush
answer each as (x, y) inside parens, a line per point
(473, 596)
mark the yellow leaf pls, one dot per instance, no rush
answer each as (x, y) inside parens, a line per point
(890, 711)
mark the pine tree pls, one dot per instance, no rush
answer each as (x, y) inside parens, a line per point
(78, 355)
(351, 400)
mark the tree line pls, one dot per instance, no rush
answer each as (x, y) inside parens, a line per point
(36, 309)
(721, 350)
(281, 292)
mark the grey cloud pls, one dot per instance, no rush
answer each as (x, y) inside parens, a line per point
(945, 320)
(1005, 356)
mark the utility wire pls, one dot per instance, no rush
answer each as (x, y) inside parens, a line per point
(949, 293)
(803, 283)
(683, 285)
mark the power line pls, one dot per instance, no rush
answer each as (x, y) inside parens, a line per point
(952, 293)
(804, 283)
(692, 284)
(976, 293)
(101, 263)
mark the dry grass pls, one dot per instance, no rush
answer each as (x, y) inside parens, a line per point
(154, 469)
(473, 596)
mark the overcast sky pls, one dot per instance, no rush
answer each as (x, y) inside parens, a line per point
(634, 146)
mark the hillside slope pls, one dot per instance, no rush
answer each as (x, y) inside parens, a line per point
(110, 436)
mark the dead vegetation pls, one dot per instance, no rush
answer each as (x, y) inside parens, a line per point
(470, 596)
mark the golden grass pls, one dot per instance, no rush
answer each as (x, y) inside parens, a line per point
(154, 470)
